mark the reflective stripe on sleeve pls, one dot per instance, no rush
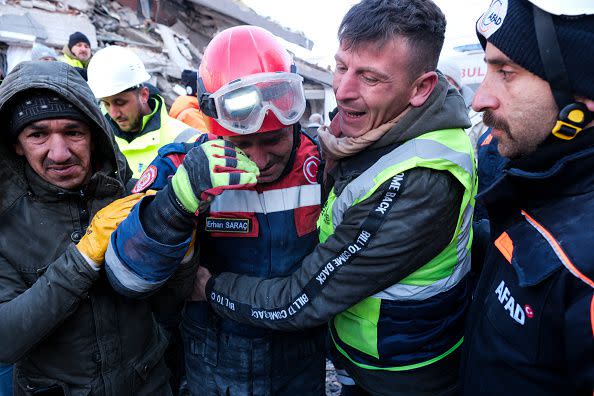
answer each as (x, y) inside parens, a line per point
(127, 278)
(401, 291)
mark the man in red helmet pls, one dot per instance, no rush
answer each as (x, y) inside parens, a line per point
(250, 95)
(390, 273)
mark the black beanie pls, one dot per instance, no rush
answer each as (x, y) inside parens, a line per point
(509, 26)
(77, 37)
(189, 80)
(35, 105)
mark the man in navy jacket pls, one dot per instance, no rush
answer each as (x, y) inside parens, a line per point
(530, 329)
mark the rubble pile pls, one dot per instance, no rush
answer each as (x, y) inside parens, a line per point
(167, 35)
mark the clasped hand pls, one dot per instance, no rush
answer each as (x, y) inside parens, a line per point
(210, 169)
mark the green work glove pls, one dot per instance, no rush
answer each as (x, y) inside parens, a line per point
(210, 169)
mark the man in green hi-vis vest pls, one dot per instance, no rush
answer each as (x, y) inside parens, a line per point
(390, 272)
(134, 109)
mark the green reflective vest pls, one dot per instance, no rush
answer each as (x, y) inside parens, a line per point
(355, 331)
(161, 129)
(71, 61)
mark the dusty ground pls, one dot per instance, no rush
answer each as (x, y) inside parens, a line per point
(332, 385)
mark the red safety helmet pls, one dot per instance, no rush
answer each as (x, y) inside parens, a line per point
(248, 83)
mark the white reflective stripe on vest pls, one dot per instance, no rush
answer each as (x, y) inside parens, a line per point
(267, 201)
(464, 236)
(411, 292)
(422, 148)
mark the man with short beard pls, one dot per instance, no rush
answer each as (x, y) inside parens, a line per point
(530, 327)
(135, 110)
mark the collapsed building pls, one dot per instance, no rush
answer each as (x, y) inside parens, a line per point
(168, 35)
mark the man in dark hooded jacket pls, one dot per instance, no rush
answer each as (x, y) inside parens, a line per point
(67, 331)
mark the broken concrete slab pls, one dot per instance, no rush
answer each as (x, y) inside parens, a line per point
(177, 60)
(129, 16)
(111, 38)
(44, 5)
(13, 24)
(80, 5)
(56, 27)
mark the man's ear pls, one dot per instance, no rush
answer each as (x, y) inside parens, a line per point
(589, 105)
(422, 88)
(18, 148)
(588, 102)
(144, 95)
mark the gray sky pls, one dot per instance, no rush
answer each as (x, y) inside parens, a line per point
(319, 20)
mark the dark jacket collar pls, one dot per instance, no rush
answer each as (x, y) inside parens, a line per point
(555, 170)
(99, 186)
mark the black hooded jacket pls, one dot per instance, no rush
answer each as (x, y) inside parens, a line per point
(60, 321)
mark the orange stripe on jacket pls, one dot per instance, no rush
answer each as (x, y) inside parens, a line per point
(558, 250)
(592, 314)
(505, 246)
(487, 140)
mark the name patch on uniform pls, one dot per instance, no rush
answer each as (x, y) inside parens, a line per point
(217, 224)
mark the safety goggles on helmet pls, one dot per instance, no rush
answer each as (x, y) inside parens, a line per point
(241, 105)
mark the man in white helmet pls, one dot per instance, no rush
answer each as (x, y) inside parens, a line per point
(531, 324)
(136, 112)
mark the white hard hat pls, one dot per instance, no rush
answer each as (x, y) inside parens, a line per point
(113, 70)
(566, 7)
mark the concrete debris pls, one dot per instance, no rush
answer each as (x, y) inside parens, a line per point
(178, 61)
(44, 5)
(106, 23)
(129, 16)
(333, 387)
(181, 46)
(181, 28)
(145, 9)
(167, 89)
(140, 36)
(51, 28)
(169, 40)
(113, 38)
(80, 5)
(11, 22)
